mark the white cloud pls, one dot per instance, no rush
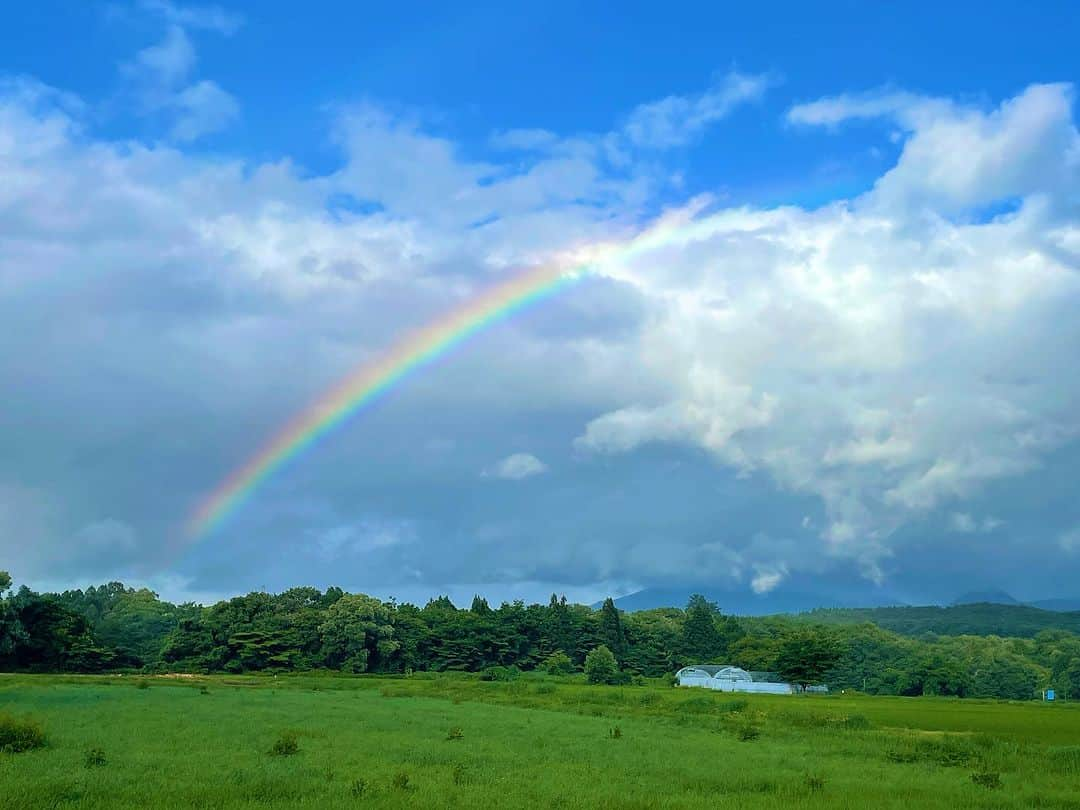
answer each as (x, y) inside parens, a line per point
(1070, 540)
(211, 18)
(963, 523)
(767, 577)
(167, 63)
(159, 76)
(516, 467)
(888, 355)
(678, 120)
(363, 537)
(202, 108)
(877, 354)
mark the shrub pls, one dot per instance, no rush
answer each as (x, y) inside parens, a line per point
(987, 779)
(285, 745)
(500, 674)
(855, 722)
(558, 663)
(20, 735)
(748, 733)
(815, 782)
(142, 683)
(601, 666)
(455, 733)
(94, 758)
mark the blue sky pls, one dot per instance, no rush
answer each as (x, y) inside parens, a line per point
(858, 371)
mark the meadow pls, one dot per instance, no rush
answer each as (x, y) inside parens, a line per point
(449, 740)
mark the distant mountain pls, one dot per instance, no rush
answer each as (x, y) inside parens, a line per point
(991, 597)
(978, 619)
(744, 602)
(1059, 605)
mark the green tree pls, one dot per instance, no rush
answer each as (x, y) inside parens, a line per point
(357, 634)
(558, 663)
(700, 641)
(806, 655)
(610, 632)
(600, 666)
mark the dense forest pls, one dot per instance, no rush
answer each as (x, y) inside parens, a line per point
(981, 619)
(116, 628)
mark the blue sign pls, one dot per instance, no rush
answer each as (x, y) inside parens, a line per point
(1049, 694)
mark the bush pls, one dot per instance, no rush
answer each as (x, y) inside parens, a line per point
(285, 745)
(94, 758)
(500, 674)
(142, 683)
(748, 733)
(558, 663)
(987, 779)
(815, 783)
(601, 666)
(20, 735)
(455, 733)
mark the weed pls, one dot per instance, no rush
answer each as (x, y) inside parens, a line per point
(203, 690)
(748, 733)
(544, 689)
(285, 745)
(460, 774)
(855, 722)
(94, 758)
(615, 733)
(815, 782)
(400, 781)
(20, 735)
(455, 733)
(142, 683)
(987, 779)
(358, 788)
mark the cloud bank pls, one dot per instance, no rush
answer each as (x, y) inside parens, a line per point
(886, 357)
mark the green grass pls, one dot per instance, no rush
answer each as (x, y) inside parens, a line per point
(453, 741)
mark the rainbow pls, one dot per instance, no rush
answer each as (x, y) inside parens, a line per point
(366, 383)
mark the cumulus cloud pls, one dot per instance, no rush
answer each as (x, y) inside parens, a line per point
(160, 75)
(877, 353)
(516, 467)
(884, 358)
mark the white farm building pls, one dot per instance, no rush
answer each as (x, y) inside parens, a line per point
(733, 679)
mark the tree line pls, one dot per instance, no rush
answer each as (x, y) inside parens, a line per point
(115, 627)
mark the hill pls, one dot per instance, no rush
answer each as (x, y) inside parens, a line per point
(980, 619)
(742, 601)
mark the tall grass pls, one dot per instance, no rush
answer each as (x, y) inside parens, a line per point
(453, 741)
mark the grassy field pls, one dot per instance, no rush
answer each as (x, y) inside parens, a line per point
(454, 741)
